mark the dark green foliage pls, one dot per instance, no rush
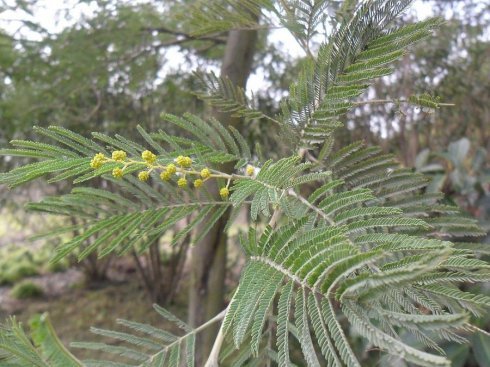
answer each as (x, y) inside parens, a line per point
(26, 289)
(45, 349)
(14, 272)
(155, 348)
(144, 212)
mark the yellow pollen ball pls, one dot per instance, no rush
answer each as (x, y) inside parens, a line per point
(198, 183)
(171, 169)
(205, 173)
(187, 161)
(250, 170)
(179, 160)
(143, 176)
(117, 172)
(148, 157)
(165, 176)
(224, 193)
(182, 182)
(119, 155)
(97, 161)
(182, 161)
(94, 163)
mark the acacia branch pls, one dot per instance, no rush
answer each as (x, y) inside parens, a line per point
(185, 37)
(218, 342)
(394, 101)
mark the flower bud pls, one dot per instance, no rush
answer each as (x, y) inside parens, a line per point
(224, 193)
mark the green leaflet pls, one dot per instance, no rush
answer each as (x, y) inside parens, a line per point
(272, 184)
(47, 350)
(160, 347)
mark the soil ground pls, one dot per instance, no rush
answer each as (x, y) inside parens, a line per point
(74, 308)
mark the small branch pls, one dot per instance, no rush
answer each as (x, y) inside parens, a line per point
(215, 319)
(218, 342)
(275, 217)
(394, 101)
(476, 329)
(187, 37)
(311, 206)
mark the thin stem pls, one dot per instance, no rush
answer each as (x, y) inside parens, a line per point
(215, 319)
(275, 217)
(394, 101)
(218, 342)
(311, 206)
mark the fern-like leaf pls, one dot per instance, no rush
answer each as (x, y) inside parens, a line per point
(44, 350)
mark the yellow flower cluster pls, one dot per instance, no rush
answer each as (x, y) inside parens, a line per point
(169, 171)
(224, 193)
(117, 172)
(250, 170)
(205, 173)
(182, 182)
(97, 161)
(143, 176)
(148, 157)
(119, 155)
(198, 183)
(183, 161)
(165, 176)
(171, 168)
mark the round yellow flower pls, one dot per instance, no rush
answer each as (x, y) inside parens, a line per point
(183, 161)
(119, 155)
(117, 172)
(179, 160)
(224, 193)
(99, 156)
(250, 170)
(143, 176)
(165, 176)
(95, 164)
(205, 173)
(198, 183)
(148, 157)
(171, 169)
(182, 182)
(97, 161)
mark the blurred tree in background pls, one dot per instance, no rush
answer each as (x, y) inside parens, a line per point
(455, 64)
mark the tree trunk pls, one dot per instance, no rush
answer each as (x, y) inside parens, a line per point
(208, 258)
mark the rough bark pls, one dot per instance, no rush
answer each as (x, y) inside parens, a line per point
(208, 258)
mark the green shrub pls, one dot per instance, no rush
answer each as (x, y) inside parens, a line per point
(17, 262)
(57, 267)
(27, 289)
(16, 272)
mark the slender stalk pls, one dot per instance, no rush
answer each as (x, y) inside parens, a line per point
(275, 217)
(394, 101)
(217, 318)
(213, 358)
(311, 206)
